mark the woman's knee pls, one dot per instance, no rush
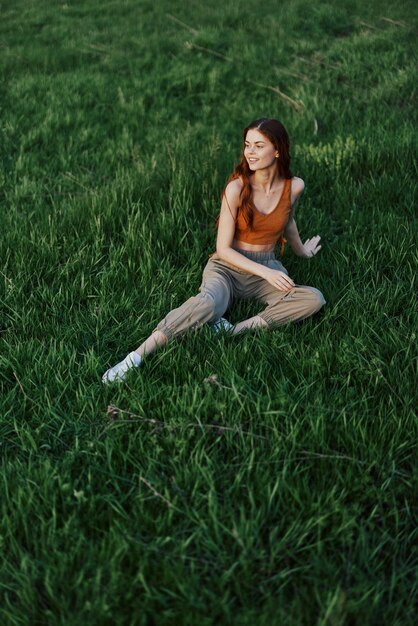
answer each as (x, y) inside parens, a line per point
(216, 297)
(316, 299)
(209, 306)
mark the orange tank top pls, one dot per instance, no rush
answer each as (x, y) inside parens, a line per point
(267, 229)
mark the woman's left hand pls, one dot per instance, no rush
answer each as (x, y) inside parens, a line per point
(311, 246)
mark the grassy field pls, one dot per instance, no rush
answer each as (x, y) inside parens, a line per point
(268, 479)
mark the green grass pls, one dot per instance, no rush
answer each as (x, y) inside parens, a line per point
(283, 492)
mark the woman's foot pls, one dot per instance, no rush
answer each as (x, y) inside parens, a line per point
(220, 324)
(118, 372)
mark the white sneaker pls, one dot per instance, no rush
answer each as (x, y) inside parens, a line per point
(220, 324)
(118, 372)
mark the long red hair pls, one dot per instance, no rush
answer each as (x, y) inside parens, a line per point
(277, 134)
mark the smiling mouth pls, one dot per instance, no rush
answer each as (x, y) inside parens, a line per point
(252, 160)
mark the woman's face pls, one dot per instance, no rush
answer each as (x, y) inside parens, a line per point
(259, 152)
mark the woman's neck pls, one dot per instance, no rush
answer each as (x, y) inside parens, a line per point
(266, 180)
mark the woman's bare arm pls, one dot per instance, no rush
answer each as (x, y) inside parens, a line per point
(292, 235)
(310, 247)
(226, 231)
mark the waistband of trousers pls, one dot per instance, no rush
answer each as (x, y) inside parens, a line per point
(258, 256)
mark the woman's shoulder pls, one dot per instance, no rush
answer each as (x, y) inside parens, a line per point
(296, 190)
(234, 187)
(298, 186)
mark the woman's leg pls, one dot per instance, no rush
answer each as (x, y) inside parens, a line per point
(156, 340)
(214, 297)
(118, 372)
(292, 306)
(289, 306)
(210, 303)
(283, 306)
(249, 324)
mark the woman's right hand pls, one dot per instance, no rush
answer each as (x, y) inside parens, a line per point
(278, 279)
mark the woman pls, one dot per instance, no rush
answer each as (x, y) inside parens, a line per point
(258, 206)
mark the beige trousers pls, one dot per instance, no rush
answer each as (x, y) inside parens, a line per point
(223, 282)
